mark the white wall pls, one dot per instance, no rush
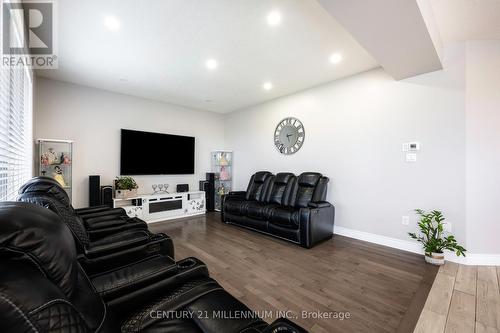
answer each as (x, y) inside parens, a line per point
(483, 146)
(354, 131)
(93, 118)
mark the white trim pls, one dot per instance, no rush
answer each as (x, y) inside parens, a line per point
(414, 247)
(481, 259)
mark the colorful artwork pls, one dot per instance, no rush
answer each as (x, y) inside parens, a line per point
(65, 159)
(223, 159)
(52, 156)
(44, 159)
(224, 173)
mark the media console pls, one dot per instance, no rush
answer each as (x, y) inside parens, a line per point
(161, 207)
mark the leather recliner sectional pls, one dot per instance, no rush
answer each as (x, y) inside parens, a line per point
(98, 221)
(112, 250)
(283, 205)
(43, 288)
(56, 277)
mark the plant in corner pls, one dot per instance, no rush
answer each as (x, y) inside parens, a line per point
(433, 238)
(125, 187)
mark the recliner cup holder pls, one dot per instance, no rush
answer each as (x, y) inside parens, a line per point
(187, 263)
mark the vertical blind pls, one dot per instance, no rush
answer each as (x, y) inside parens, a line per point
(16, 132)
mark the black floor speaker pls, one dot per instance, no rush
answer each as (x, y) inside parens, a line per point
(107, 195)
(209, 188)
(94, 190)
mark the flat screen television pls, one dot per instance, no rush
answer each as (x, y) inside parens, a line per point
(146, 153)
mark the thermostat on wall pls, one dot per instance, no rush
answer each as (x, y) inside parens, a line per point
(411, 146)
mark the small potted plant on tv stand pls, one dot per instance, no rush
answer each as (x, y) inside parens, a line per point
(433, 239)
(125, 187)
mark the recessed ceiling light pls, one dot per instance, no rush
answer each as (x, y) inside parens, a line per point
(335, 58)
(267, 86)
(211, 64)
(112, 23)
(274, 18)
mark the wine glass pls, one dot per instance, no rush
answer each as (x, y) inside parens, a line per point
(154, 186)
(160, 187)
(166, 187)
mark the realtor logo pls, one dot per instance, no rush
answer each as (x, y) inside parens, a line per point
(28, 34)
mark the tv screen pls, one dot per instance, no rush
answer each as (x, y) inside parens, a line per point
(146, 153)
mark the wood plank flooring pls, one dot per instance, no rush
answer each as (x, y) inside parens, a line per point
(382, 289)
(463, 299)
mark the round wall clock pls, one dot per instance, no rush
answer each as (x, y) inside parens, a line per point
(289, 136)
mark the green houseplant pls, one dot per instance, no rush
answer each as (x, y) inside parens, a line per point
(125, 187)
(433, 238)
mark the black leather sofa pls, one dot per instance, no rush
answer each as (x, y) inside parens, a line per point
(43, 288)
(98, 221)
(114, 242)
(283, 205)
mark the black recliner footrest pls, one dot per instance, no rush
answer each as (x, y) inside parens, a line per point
(115, 283)
(161, 280)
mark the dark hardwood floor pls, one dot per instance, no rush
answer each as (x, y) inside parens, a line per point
(382, 289)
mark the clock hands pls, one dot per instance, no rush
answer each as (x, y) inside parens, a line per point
(288, 136)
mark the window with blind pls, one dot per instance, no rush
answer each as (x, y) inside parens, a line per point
(16, 134)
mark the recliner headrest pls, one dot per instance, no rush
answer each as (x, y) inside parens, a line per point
(33, 233)
(46, 185)
(67, 214)
(309, 179)
(261, 176)
(283, 177)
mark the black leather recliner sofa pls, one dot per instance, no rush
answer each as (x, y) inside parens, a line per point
(283, 205)
(44, 289)
(114, 242)
(98, 221)
(103, 253)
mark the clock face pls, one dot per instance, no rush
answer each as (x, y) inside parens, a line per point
(289, 136)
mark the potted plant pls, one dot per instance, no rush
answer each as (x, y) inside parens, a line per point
(433, 237)
(125, 187)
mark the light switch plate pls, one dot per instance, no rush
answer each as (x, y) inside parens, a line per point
(411, 157)
(405, 220)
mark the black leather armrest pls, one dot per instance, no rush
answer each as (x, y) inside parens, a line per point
(113, 221)
(92, 209)
(117, 243)
(316, 223)
(99, 260)
(183, 271)
(116, 283)
(319, 204)
(110, 211)
(101, 230)
(235, 195)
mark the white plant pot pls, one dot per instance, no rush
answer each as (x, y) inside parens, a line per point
(435, 258)
(124, 194)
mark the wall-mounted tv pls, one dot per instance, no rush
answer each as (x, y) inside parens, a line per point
(146, 153)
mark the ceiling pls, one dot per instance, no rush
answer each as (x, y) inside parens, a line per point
(461, 20)
(161, 48)
(394, 32)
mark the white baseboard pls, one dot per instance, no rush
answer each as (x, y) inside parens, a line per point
(412, 246)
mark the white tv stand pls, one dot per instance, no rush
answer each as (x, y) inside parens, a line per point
(160, 207)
